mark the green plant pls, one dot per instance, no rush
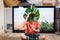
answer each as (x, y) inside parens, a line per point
(33, 9)
(46, 26)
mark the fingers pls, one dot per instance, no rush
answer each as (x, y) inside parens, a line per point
(28, 16)
(29, 13)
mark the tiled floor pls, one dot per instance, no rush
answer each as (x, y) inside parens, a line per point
(16, 36)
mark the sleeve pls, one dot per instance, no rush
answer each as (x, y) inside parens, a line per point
(37, 25)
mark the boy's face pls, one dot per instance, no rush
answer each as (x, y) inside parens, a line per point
(31, 17)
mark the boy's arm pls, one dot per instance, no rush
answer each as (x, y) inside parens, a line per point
(36, 30)
(22, 26)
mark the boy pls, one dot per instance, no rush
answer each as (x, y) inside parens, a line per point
(31, 28)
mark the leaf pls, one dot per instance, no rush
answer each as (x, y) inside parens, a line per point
(46, 26)
(28, 10)
(34, 10)
(24, 15)
(37, 15)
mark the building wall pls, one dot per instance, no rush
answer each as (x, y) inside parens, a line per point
(1, 16)
(7, 17)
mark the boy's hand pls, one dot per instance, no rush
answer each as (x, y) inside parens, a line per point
(36, 30)
(28, 16)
